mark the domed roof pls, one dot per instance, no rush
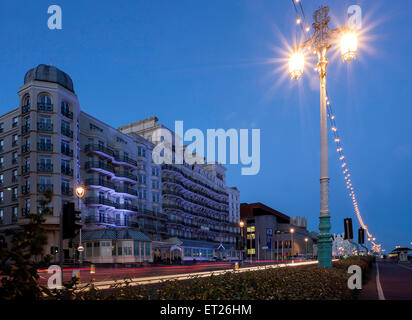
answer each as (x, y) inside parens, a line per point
(50, 74)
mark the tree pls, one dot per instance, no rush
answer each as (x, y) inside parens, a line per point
(19, 263)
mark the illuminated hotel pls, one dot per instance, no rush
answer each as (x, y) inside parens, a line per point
(134, 211)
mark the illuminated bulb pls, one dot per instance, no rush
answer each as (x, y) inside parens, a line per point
(349, 45)
(296, 64)
(333, 117)
(307, 29)
(298, 21)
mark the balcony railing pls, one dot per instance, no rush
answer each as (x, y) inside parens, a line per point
(66, 151)
(25, 109)
(126, 206)
(43, 187)
(98, 200)
(14, 179)
(25, 212)
(67, 191)
(67, 113)
(126, 190)
(25, 148)
(45, 167)
(67, 132)
(126, 159)
(128, 175)
(25, 128)
(44, 107)
(45, 147)
(99, 148)
(14, 161)
(99, 165)
(107, 220)
(67, 171)
(97, 182)
(45, 126)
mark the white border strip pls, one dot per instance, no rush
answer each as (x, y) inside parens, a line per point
(378, 284)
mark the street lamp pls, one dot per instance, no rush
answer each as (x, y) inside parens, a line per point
(319, 43)
(80, 191)
(306, 254)
(242, 246)
(291, 235)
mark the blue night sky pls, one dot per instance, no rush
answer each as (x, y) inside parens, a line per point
(218, 64)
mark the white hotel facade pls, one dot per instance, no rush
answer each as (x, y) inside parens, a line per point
(132, 212)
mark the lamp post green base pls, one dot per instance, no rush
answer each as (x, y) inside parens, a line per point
(324, 242)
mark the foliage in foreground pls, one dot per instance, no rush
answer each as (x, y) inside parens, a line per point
(291, 283)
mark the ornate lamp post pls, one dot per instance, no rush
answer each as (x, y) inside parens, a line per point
(319, 43)
(80, 191)
(306, 252)
(242, 246)
(291, 236)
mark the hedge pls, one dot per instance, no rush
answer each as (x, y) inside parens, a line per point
(289, 283)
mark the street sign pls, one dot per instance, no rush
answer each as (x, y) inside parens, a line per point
(80, 248)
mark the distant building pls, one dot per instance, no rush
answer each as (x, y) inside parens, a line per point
(267, 233)
(197, 203)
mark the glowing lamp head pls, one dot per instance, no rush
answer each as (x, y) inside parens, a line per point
(241, 224)
(306, 239)
(296, 64)
(292, 230)
(80, 190)
(349, 45)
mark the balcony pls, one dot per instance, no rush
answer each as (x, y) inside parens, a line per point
(25, 148)
(126, 190)
(67, 171)
(43, 187)
(98, 182)
(14, 143)
(99, 165)
(67, 132)
(25, 128)
(67, 191)
(99, 149)
(44, 107)
(126, 160)
(14, 179)
(14, 161)
(25, 189)
(99, 201)
(66, 151)
(124, 174)
(25, 109)
(67, 113)
(126, 206)
(107, 220)
(45, 167)
(25, 169)
(45, 126)
(45, 147)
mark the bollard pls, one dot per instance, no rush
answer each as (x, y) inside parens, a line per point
(92, 269)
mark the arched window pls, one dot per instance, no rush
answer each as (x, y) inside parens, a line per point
(26, 100)
(44, 99)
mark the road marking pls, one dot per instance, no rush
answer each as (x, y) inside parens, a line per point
(378, 284)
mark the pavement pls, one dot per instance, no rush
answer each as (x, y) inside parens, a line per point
(388, 280)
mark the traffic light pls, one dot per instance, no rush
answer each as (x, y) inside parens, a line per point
(348, 229)
(361, 235)
(71, 221)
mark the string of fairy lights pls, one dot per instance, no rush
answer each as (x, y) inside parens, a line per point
(304, 26)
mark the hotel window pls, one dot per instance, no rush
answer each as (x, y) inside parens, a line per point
(96, 248)
(141, 151)
(142, 179)
(1, 162)
(1, 216)
(27, 204)
(1, 144)
(142, 193)
(1, 179)
(45, 119)
(44, 99)
(14, 214)
(15, 139)
(1, 196)
(14, 158)
(1, 127)
(188, 252)
(147, 249)
(14, 175)
(26, 101)
(14, 194)
(15, 122)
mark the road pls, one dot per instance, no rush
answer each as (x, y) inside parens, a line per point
(389, 280)
(153, 274)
